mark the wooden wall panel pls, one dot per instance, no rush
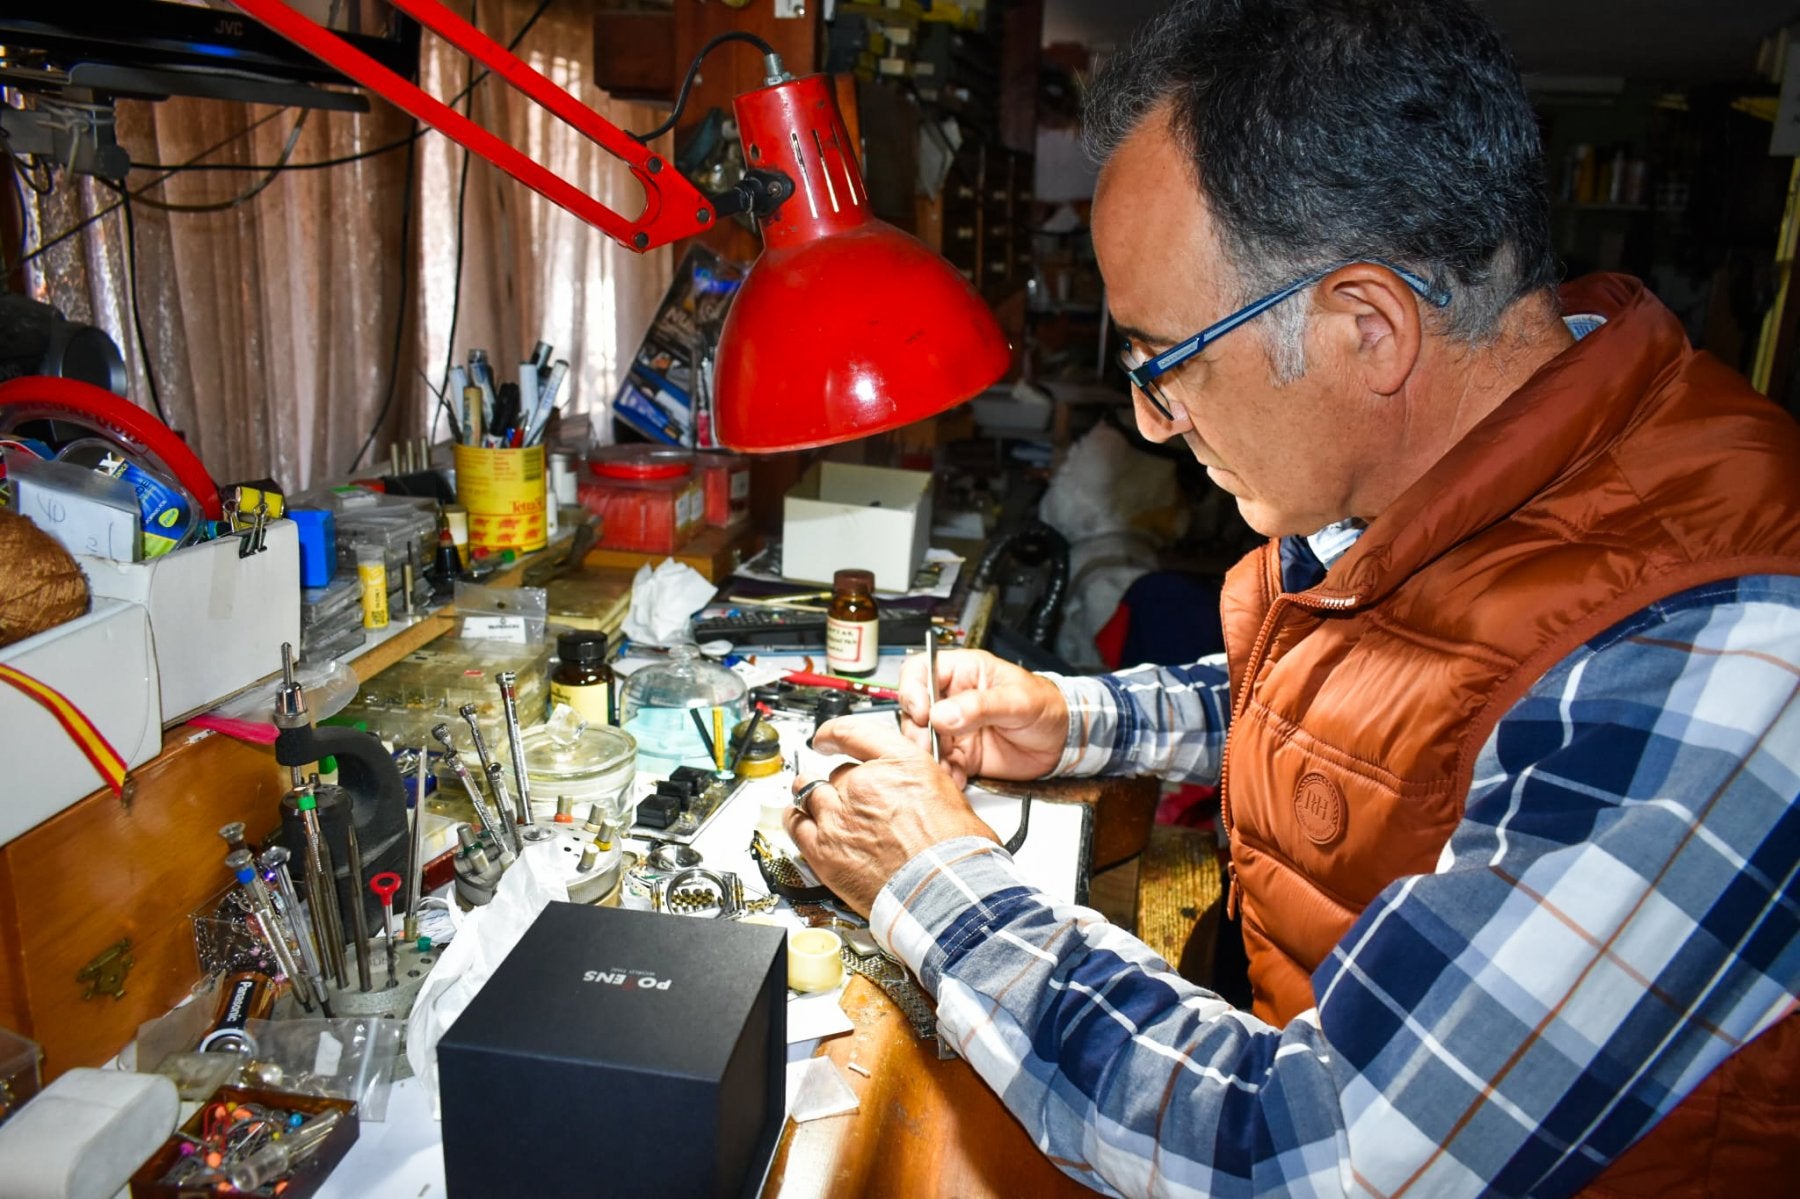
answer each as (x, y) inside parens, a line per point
(733, 69)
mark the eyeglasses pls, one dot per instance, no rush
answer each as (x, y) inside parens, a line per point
(1143, 372)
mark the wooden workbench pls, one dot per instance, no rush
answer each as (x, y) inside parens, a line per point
(925, 1126)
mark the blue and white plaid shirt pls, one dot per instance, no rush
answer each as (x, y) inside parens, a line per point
(1616, 914)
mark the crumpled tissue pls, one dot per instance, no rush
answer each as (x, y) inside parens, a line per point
(662, 600)
(483, 939)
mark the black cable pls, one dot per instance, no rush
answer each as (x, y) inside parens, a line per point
(693, 71)
(24, 169)
(387, 403)
(255, 189)
(137, 320)
(462, 192)
(194, 163)
(78, 226)
(360, 155)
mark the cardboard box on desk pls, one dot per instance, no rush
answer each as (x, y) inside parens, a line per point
(103, 664)
(619, 1052)
(217, 621)
(841, 515)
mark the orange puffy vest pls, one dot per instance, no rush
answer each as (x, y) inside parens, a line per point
(1627, 469)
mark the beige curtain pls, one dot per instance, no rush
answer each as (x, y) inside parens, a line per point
(270, 325)
(531, 271)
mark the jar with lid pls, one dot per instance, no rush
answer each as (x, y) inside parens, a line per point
(582, 678)
(852, 624)
(587, 764)
(668, 707)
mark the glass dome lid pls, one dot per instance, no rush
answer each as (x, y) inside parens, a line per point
(686, 680)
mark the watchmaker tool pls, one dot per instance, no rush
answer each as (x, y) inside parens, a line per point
(274, 935)
(357, 921)
(484, 811)
(509, 701)
(477, 871)
(274, 863)
(233, 836)
(931, 690)
(319, 873)
(415, 858)
(385, 885)
(495, 776)
(369, 794)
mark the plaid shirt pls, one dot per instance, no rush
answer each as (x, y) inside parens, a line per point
(1617, 912)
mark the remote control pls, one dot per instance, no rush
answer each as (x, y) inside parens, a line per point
(784, 628)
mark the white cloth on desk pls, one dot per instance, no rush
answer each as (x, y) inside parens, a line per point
(484, 938)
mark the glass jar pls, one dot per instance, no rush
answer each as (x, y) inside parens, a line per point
(668, 707)
(586, 763)
(853, 625)
(582, 678)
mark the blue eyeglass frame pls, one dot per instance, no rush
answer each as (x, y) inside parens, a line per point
(1143, 375)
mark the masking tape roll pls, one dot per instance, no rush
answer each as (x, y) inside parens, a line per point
(814, 961)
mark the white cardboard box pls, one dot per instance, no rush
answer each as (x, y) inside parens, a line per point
(217, 621)
(103, 664)
(841, 515)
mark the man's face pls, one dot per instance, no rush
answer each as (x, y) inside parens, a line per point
(1291, 455)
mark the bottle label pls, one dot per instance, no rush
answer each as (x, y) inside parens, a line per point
(851, 645)
(589, 702)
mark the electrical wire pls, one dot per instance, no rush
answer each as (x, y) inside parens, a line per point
(137, 320)
(194, 163)
(693, 72)
(462, 193)
(387, 403)
(255, 189)
(78, 226)
(360, 155)
(25, 169)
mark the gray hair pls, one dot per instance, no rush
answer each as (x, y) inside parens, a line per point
(1329, 131)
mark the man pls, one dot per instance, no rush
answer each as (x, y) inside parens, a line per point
(1514, 747)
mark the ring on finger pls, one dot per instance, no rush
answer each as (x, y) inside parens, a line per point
(805, 793)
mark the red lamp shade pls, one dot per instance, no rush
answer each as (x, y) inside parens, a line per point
(845, 326)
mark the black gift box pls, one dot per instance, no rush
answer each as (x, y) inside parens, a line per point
(618, 1052)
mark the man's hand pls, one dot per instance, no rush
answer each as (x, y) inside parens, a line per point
(857, 830)
(994, 718)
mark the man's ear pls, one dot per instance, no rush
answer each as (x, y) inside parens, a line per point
(1378, 321)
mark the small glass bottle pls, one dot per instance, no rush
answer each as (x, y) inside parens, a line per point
(582, 679)
(371, 574)
(852, 624)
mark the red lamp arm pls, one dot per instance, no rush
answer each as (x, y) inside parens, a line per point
(674, 208)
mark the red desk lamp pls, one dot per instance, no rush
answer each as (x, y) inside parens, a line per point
(845, 326)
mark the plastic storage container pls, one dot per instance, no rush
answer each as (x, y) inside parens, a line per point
(725, 481)
(430, 685)
(648, 499)
(665, 706)
(388, 523)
